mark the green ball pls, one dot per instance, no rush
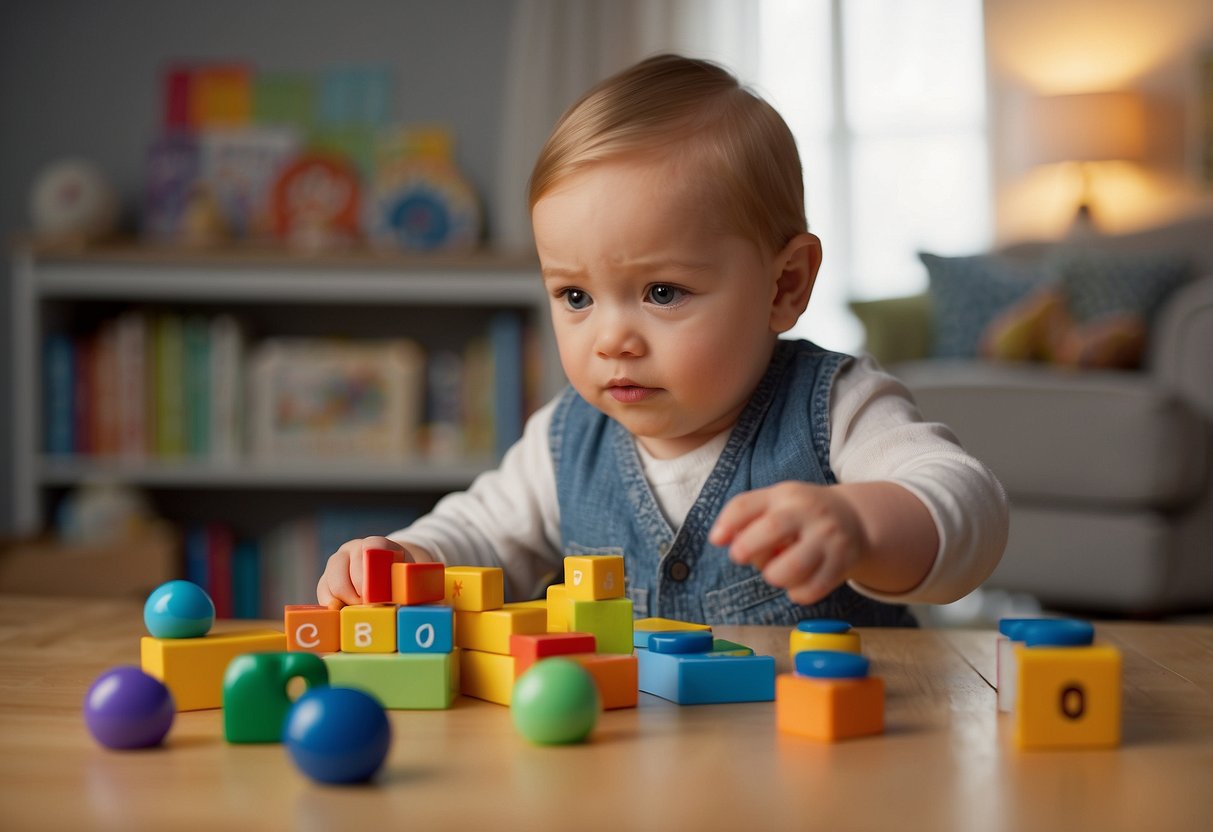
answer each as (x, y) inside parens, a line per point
(555, 702)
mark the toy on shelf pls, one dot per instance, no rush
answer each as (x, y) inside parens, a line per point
(126, 708)
(555, 702)
(314, 203)
(823, 634)
(830, 697)
(337, 735)
(73, 202)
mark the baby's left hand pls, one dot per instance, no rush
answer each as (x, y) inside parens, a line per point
(805, 538)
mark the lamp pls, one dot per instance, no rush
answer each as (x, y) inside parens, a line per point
(1086, 128)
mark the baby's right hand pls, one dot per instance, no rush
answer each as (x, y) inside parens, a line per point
(341, 582)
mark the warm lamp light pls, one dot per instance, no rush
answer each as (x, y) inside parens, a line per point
(1085, 128)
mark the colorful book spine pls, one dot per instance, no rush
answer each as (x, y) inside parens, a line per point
(227, 386)
(131, 360)
(197, 556)
(197, 382)
(506, 336)
(84, 396)
(219, 568)
(168, 387)
(59, 390)
(106, 425)
(246, 581)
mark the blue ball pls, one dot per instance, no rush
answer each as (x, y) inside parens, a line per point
(179, 609)
(337, 735)
(127, 708)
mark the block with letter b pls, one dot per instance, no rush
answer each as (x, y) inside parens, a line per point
(593, 577)
(368, 628)
(312, 628)
(428, 628)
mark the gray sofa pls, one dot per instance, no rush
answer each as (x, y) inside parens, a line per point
(1108, 472)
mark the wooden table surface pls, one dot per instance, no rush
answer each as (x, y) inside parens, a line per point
(946, 760)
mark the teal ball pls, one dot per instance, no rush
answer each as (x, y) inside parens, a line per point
(178, 609)
(555, 702)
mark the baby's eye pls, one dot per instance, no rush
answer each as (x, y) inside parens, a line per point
(663, 294)
(576, 298)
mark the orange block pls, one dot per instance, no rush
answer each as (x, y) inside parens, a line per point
(617, 677)
(530, 648)
(829, 709)
(418, 583)
(312, 628)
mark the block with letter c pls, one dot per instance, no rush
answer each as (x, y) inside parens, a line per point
(312, 628)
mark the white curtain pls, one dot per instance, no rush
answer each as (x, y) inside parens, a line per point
(559, 48)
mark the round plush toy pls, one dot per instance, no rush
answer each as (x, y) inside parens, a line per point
(127, 708)
(72, 200)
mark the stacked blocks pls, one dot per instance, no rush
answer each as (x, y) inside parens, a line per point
(830, 697)
(823, 634)
(684, 667)
(1068, 689)
(193, 667)
(483, 628)
(616, 676)
(594, 590)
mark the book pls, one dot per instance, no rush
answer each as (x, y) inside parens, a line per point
(167, 385)
(246, 581)
(240, 168)
(173, 167)
(196, 335)
(84, 434)
(478, 397)
(509, 379)
(58, 391)
(444, 405)
(197, 555)
(105, 424)
(131, 340)
(220, 95)
(227, 388)
(219, 545)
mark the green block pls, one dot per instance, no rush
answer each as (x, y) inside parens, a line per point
(610, 621)
(255, 697)
(722, 647)
(401, 681)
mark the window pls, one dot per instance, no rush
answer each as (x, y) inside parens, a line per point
(887, 102)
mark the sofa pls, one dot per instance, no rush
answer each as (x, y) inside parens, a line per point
(1107, 471)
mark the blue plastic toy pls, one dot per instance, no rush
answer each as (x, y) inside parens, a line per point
(179, 609)
(127, 708)
(688, 641)
(831, 664)
(1057, 632)
(823, 625)
(337, 735)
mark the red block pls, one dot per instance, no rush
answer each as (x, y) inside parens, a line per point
(418, 583)
(312, 628)
(528, 649)
(377, 575)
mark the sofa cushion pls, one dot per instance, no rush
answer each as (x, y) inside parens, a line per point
(1098, 283)
(1095, 437)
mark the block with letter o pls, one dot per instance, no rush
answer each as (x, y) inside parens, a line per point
(425, 628)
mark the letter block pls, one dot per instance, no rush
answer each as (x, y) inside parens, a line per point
(823, 634)
(425, 628)
(1068, 697)
(368, 628)
(312, 628)
(643, 627)
(610, 621)
(418, 583)
(400, 681)
(255, 697)
(529, 648)
(490, 630)
(593, 577)
(488, 676)
(558, 608)
(617, 677)
(193, 668)
(475, 588)
(377, 575)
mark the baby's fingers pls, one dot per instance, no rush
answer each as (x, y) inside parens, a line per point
(335, 588)
(738, 513)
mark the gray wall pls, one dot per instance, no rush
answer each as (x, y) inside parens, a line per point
(82, 78)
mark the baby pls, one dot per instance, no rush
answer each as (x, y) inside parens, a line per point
(744, 478)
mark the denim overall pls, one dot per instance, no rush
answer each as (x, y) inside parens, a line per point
(607, 507)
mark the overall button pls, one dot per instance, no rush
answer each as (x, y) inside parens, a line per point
(679, 571)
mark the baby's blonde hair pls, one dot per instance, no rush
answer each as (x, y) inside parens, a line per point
(741, 148)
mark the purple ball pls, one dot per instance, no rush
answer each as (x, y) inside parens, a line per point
(127, 708)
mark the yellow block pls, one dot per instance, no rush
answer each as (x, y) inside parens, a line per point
(475, 588)
(1068, 697)
(667, 625)
(193, 668)
(593, 577)
(487, 676)
(538, 604)
(846, 642)
(558, 609)
(368, 628)
(490, 630)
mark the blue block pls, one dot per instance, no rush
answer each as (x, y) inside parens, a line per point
(425, 628)
(682, 642)
(699, 679)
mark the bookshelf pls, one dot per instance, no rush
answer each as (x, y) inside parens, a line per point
(439, 301)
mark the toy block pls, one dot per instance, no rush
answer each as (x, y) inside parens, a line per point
(475, 588)
(401, 681)
(593, 577)
(823, 634)
(723, 647)
(829, 709)
(1004, 672)
(193, 668)
(684, 641)
(1068, 696)
(368, 628)
(255, 696)
(377, 575)
(538, 604)
(529, 648)
(610, 621)
(697, 679)
(617, 677)
(490, 630)
(312, 628)
(425, 628)
(558, 609)
(418, 583)
(642, 627)
(488, 676)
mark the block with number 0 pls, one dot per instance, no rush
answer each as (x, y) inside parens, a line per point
(425, 628)
(593, 577)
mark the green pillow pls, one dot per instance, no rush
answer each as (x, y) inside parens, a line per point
(896, 329)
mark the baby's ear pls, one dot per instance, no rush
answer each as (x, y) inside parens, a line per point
(797, 266)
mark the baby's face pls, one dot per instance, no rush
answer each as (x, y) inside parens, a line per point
(662, 321)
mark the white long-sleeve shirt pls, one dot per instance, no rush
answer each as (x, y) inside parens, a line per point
(510, 516)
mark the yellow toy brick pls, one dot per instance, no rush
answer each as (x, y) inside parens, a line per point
(558, 609)
(642, 628)
(193, 668)
(490, 630)
(368, 628)
(593, 577)
(1068, 697)
(475, 588)
(538, 604)
(829, 710)
(488, 676)
(799, 641)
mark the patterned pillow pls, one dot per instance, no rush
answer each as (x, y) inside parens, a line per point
(1098, 284)
(969, 292)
